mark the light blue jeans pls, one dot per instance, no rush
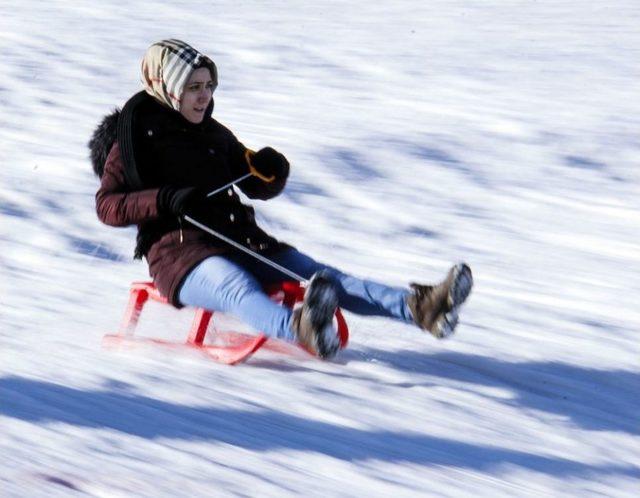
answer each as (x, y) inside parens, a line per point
(234, 283)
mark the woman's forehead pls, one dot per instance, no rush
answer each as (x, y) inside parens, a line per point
(201, 74)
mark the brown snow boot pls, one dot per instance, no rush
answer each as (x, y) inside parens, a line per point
(435, 308)
(313, 322)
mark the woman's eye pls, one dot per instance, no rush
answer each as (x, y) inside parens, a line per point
(196, 88)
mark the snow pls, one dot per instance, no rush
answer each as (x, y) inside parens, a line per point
(504, 134)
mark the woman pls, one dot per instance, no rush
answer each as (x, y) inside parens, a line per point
(160, 156)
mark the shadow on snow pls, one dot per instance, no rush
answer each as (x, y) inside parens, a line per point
(42, 402)
(600, 400)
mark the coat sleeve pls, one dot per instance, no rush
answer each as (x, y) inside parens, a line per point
(115, 205)
(252, 187)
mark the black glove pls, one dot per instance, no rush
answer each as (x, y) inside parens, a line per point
(269, 163)
(176, 201)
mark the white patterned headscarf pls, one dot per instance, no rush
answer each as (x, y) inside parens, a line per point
(166, 68)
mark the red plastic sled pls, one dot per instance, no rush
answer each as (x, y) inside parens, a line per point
(228, 347)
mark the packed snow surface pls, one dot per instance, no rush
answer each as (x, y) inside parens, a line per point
(501, 133)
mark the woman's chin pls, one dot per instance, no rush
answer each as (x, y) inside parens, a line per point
(194, 117)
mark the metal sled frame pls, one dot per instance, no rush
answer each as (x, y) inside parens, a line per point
(239, 345)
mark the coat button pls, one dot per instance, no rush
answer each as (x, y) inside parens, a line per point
(150, 133)
(230, 192)
(232, 217)
(248, 240)
(212, 152)
(263, 246)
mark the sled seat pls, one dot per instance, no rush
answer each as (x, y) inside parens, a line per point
(287, 293)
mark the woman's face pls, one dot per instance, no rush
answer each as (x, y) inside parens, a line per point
(196, 95)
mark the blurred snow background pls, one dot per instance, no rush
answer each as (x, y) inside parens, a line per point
(505, 134)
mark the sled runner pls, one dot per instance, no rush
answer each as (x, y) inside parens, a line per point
(228, 347)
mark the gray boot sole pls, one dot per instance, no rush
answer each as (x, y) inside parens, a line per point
(461, 287)
(321, 301)
(458, 293)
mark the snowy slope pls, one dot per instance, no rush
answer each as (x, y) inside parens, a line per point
(501, 133)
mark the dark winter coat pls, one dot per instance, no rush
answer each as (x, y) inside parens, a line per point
(150, 146)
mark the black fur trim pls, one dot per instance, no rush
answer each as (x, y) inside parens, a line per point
(102, 140)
